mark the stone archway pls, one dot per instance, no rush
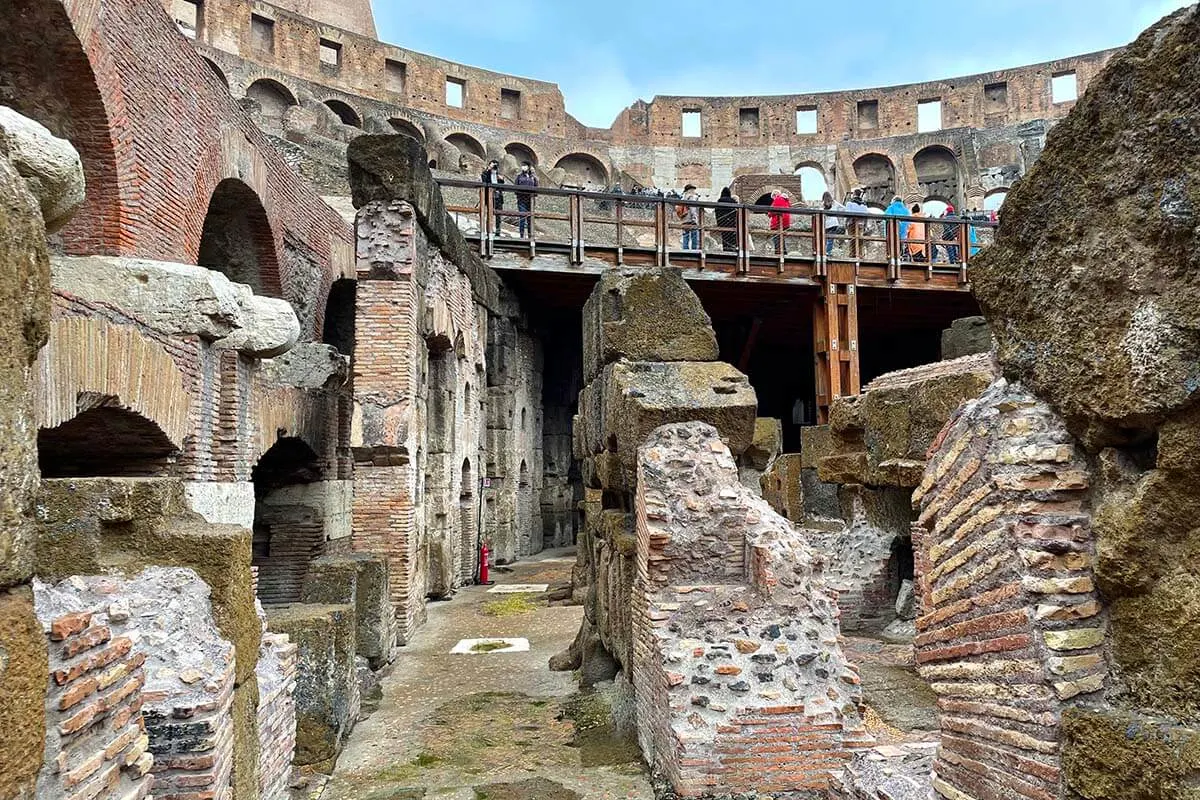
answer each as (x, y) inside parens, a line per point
(273, 100)
(876, 175)
(345, 112)
(105, 440)
(938, 174)
(289, 524)
(237, 240)
(583, 169)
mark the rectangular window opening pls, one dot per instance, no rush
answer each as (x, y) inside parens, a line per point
(929, 115)
(691, 122)
(456, 92)
(995, 97)
(396, 74)
(510, 104)
(262, 33)
(748, 122)
(868, 114)
(188, 16)
(331, 53)
(1064, 87)
(806, 119)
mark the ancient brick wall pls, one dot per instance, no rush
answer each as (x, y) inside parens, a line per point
(740, 682)
(1013, 628)
(94, 73)
(276, 671)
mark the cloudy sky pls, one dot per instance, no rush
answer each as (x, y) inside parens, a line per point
(604, 55)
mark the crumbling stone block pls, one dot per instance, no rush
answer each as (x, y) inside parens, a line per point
(359, 580)
(782, 489)
(880, 437)
(966, 337)
(327, 700)
(50, 166)
(23, 682)
(644, 315)
(733, 632)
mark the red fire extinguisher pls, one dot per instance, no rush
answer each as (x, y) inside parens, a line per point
(483, 565)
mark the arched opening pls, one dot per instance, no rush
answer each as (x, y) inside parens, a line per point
(273, 99)
(521, 152)
(812, 182)
(995, 199)
(105, 440)
(466, 144)
(217, 71)
(237, 240)
(53, 82)
(935, 207)
(345, 113)
(406, 128)
(901, 570)
(937, 173)
(289, 523)
(443, 541)
(583, 170)
(338, 327)
(876, 175)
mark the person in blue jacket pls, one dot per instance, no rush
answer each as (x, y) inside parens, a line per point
(898, 209)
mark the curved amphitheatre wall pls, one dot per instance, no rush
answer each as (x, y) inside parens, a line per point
(993, 125)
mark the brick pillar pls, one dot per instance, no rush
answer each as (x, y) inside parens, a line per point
(384, 436)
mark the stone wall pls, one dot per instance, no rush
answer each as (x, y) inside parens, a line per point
(740, 682)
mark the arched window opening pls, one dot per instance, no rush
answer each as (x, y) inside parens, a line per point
(273, 100)
(876, 175)
(105, 440)
(583, 170)
(345, 113)
(289, 523)
(521, 152)
(466, 144)
(406, 128)
(237, 240)
(338, 328)
(812, 183)
(995, 199)
(937, 174)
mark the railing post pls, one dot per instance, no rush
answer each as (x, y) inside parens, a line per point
(818, 222)
(742, 220)
(532, 216)
(660, 233)
(700, 234)
(892, 237)
(574, 207)
(620, 231)
(484, 222)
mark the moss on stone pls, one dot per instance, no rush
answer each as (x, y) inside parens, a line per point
(24, 676)
(1114, 755)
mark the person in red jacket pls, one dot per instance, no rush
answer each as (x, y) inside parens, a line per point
(779, 222)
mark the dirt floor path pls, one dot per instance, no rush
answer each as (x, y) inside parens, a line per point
(489, 726)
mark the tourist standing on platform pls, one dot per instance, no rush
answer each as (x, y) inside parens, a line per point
(727, 220)
(525, 200)
(834, 226)
(492, 176)
(950, 235)
(855, 203)
(898, 209)
(691, 219)
(914, 236)
(780, 222)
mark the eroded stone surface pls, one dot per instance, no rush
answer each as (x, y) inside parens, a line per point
(50, 166)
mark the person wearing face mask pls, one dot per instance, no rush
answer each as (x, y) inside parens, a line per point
(492, 175)
(525, 200)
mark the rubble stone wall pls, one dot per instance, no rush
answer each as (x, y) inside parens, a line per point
(741, 684)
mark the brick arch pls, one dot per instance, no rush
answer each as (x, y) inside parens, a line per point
(237, 238)
(408, 128)
(938, 174)
(523, 151)
(870, 170)
(582, 159)
(345, 112)
(466, 143)
(51, 79)
(127, 369)
(1011, 630)
(217, 71)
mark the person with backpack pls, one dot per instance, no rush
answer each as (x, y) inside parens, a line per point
(492, 175)
(525, 200)
(727, 220)
(690, 216)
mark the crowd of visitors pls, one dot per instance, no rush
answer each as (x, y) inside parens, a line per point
(923, 238)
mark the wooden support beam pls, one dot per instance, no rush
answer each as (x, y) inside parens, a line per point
(835, 340)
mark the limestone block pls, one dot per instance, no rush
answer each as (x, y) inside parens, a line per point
(222, 503)
(766, 444)
(816, 442)
(1110, 342)
(1124, 755)
(359, 580)
(880, 438)
(966, 337)
(308, 365)
(631, 399)
(182, 299)
(327, 700)
(123, 525)
(781, 487)
(24, 326)
(24, 675)
(644, 315)
(50, 166)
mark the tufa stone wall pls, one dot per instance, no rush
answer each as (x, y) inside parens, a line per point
(740, 682)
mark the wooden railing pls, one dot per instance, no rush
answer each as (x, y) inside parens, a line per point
(615, 227)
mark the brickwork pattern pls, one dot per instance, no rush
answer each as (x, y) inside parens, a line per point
(276, 671)
(1012, 628)
(741, 684)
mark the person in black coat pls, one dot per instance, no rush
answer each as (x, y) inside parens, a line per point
(727, 218)
(492, 175)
